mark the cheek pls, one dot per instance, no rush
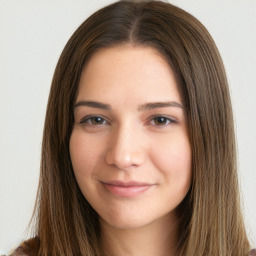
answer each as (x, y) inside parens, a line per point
(83, 156)
(172, 157)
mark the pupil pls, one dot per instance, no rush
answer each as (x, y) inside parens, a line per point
(97, 120)
(160, 120)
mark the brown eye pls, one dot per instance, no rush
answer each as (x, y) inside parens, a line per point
(94, 121)
(161, 121)
(97, 120)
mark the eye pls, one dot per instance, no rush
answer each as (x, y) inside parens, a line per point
(161, 121)
(94, 121)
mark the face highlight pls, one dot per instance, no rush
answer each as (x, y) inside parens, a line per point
(129, 145)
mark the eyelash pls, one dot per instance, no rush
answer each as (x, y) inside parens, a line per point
(167, 121)
(88, 120)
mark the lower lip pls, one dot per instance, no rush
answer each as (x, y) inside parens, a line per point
(126, 191)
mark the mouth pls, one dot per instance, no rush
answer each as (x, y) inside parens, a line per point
(126, 189)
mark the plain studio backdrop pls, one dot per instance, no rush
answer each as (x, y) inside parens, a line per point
(32, 36)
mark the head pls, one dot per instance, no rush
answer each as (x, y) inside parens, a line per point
(185, 46)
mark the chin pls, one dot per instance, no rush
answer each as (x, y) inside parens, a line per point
(125, 223)
(129, 220)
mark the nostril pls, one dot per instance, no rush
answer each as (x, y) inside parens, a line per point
(125, 159)
(121, 160)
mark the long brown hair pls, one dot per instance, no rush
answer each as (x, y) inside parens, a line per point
(210, 216)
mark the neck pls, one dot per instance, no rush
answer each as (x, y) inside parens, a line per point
(158, 238)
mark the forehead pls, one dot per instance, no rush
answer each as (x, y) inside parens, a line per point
(128, 71)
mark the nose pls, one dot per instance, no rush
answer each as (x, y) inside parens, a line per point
(126, 149)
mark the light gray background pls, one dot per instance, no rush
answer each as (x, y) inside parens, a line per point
(32, 36)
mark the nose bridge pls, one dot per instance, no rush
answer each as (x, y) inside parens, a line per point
(125, 147)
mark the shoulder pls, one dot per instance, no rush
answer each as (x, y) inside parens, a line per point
(27, 248)
(19, 252)
(253, 252)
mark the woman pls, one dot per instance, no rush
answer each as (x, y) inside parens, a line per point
(138, 154)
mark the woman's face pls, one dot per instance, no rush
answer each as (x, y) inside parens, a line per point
(129, 146)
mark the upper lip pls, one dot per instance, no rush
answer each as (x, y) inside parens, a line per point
(126, 183)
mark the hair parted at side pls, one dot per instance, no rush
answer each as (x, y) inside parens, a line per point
(210, 216)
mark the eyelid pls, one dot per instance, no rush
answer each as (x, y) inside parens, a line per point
(171, 120)
(88, 117)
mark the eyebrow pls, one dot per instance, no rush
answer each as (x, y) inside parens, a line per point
(143, 107)
(93, 104)
(154, 105)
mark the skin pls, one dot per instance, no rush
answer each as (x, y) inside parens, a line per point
(132, 139)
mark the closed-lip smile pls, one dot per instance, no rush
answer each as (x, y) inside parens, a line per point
(126, 189)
